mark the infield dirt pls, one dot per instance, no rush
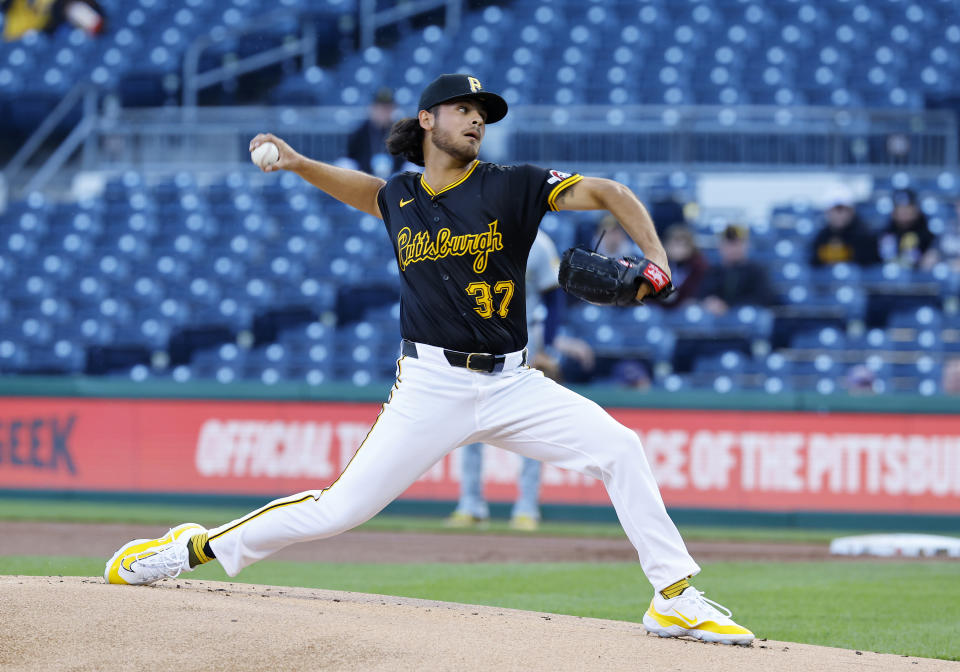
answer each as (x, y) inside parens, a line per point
(102, 539)
(71, 623)
(75, 623)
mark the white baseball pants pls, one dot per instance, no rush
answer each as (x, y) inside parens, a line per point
(435, 407)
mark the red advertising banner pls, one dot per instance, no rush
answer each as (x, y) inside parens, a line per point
(704, 459)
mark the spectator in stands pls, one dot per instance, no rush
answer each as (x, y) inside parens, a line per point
(951, 376)
(23, 16)
(860, 380)
(367, 144)
(907, 240)
(737, 280)
(845, 237)
(687, 263)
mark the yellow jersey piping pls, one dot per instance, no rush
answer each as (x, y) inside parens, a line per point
(269, 507)
(569, 182)
(304, 498)
(458, 182)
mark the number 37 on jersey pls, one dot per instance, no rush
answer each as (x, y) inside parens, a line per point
(490, 300)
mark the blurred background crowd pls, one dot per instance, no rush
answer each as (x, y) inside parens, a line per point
(799, 158)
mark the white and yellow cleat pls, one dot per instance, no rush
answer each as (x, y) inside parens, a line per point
(523, 523)
(461, 520)
(144, 561)
(690, 614)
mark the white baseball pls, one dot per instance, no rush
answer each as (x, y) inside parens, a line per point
(265, 155)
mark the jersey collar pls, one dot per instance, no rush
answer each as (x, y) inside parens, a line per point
(458, 182)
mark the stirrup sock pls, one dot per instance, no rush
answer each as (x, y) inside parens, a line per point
(199, 549)
(675, 589)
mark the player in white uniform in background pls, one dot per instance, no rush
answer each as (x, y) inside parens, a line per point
(462, 231)
(472, 508)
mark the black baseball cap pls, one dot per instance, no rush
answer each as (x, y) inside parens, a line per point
(449, 87)
(734, 232)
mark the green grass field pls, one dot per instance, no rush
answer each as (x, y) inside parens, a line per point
(168, 514)
(908, 608)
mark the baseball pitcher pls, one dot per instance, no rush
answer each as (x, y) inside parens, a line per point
(462, 230)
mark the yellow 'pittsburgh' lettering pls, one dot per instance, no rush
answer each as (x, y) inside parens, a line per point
(412, 247)
(474, 84)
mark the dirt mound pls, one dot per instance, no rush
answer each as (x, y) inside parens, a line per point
(70, 623)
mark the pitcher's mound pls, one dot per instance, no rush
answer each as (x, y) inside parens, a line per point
(72, 623)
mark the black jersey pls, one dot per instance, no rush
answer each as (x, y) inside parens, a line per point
(462, 252)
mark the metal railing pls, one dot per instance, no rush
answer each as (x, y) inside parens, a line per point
(732, 138)
(213, 139)
(597, 138)
(84, 95)
(94, 125)
(588, 138)
(372, 19)
(195, 81)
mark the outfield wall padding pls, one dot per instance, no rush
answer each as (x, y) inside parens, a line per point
(728, 459)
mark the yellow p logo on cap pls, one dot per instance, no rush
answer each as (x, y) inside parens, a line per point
(474, 84)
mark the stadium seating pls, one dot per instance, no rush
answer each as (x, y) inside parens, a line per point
(309, 293)
(240, 280)
(715, 53)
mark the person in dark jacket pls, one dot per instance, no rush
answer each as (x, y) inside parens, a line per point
(367, 144)
(687, 263)
(907, 240)
(736, 281)
(845, 237)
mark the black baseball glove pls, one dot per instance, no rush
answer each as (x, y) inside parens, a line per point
(602, 280)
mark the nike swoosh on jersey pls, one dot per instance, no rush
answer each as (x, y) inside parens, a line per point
(403, 202)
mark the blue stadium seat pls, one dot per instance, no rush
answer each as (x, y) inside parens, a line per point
(691, 320)
(925, 317)
(822, 365)
(755, 322)
(63, 358)
(777, 365)
(675, 382)
(730, 363)
(873, 339)
(834, 275)
(13, 355)
(173, 253)
(223, 363)
(828, 338)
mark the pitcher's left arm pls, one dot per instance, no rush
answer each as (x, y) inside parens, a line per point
(596, 193)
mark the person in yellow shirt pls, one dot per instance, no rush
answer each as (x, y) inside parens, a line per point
(24, 16)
